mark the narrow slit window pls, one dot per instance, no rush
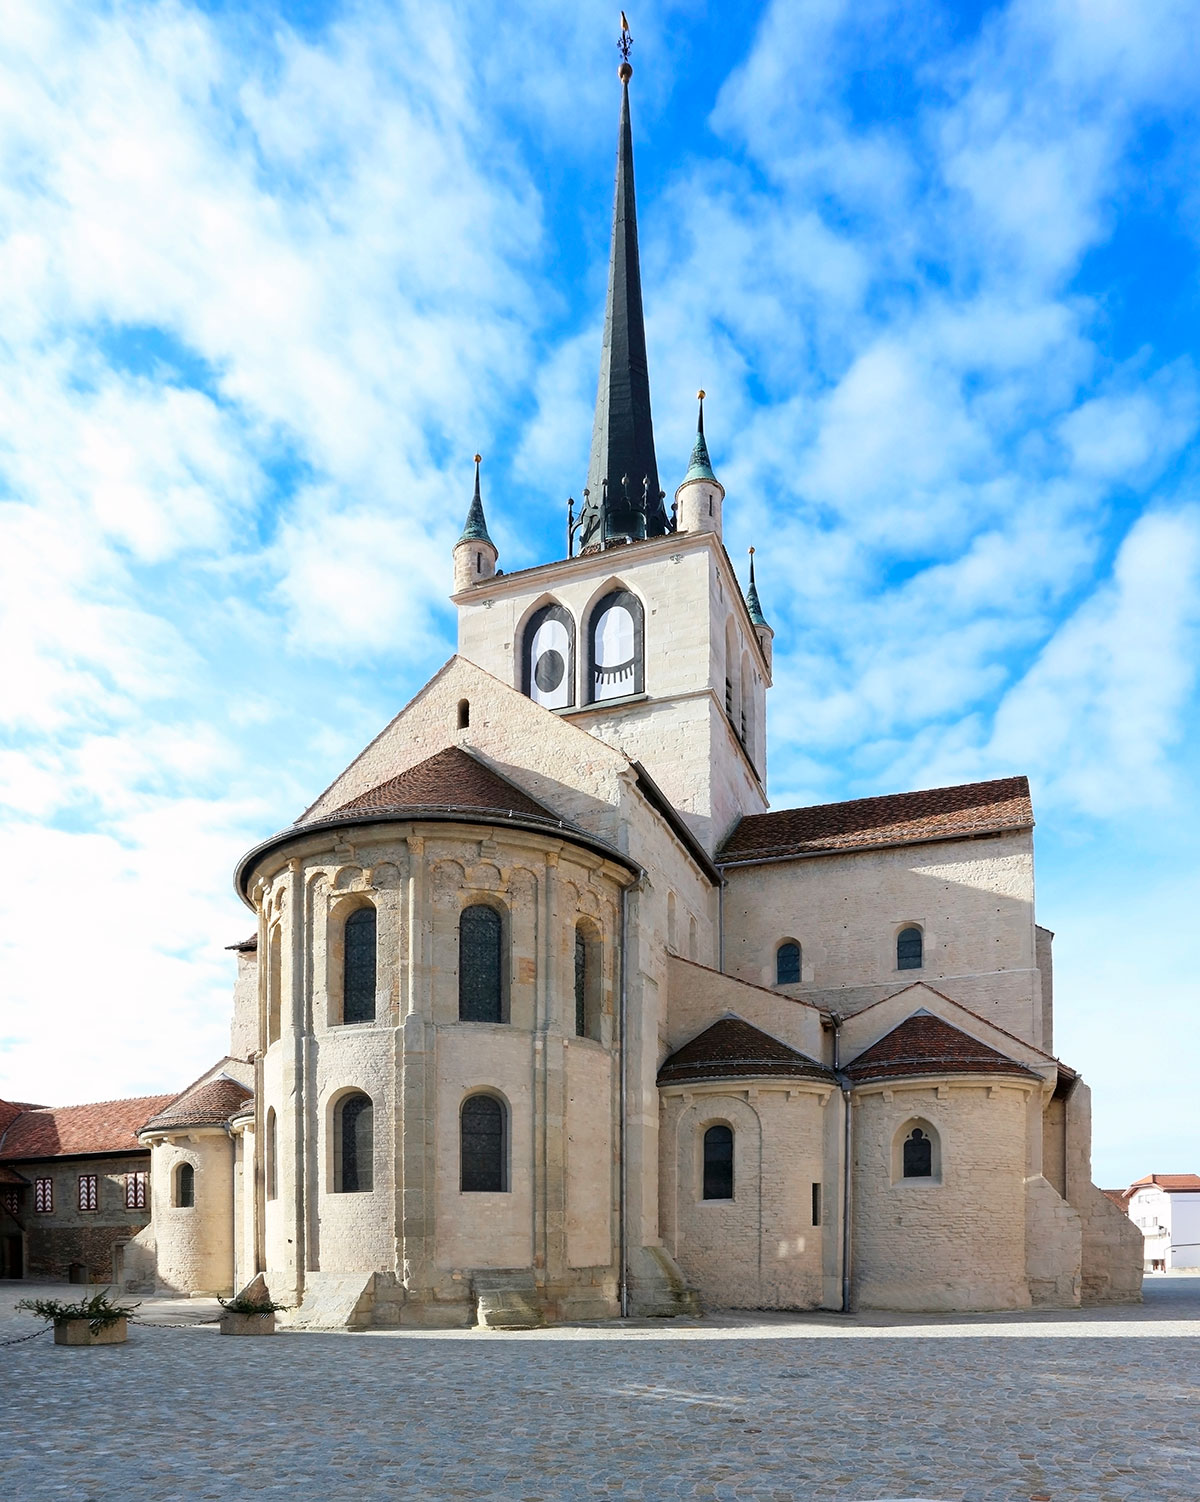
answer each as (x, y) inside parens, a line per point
(464, 714)
(718, 1163)
(484, 1166)
(816, 1204)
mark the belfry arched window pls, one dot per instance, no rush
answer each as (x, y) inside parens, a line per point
(481, 990)
(484, 1146)
(616, 647)
(358, 967)
(788, 964)
(548, 658)
(354, 1145)
(910, 949)
(718, 1163)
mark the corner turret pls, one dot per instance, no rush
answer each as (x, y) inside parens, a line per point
(475, 553)
(759, 621)
(698, 499)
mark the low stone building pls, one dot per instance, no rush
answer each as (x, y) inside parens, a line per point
(74, 1188)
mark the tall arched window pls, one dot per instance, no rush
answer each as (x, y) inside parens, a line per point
(918, 1155)
(354, 1145)
(616, 647)
(548, 657)
(358, 967)
(185, 1186)
(718, 1163)
(788, 964)
(484, 1166)
(909, 949)
(272, 1155)
(481, 965)
(587, 985)
(274, 984)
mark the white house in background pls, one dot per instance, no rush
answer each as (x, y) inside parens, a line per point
(1165, 1207)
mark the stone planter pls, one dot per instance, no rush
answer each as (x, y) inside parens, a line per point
(248, 1324)
(78, 1332)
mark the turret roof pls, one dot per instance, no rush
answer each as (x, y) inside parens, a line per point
(454, 779)
(475, 528)
(925, 1044)
(734, 1049)
(700, 467)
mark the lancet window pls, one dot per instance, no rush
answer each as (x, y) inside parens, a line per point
(185, 1186)
(354, 1145)
(358, 966)
(616, 647)
(718, 1163)
(484, 1163)
(481, 989)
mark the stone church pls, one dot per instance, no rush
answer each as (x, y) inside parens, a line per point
(547, 1015)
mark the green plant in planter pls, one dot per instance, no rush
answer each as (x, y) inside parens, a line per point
(99, 1310)
(242, 1305)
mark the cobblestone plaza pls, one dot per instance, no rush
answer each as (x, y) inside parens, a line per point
(1095, 1404)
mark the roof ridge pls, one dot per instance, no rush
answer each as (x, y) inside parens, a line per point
(802, 1001)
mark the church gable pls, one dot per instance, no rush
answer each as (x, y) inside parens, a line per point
(452, 778)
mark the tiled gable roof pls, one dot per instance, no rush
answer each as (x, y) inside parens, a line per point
(451, 779)
(1175, 1183)
(899, 819)
(9, 1111)
(733, 1049)
(108, 1126)
(1119, 1197)
(206, 1104)
(924, 1044)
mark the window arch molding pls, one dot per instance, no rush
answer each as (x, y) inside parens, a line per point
(483, 960)
(917, 1153)
(546, 663)
(910, 947)
(350, 1134)
(616, 644)
(789, 962)
(353, 948)
(484, 1142)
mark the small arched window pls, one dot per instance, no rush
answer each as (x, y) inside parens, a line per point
(358, 966)
(548, 658)
(185, 1186)
(484, 1163)
(481, 965)
(354, 1145)
(718, 1163)
(272, 1155)
(787, 964)
(464, 713)
(918, 1155)
(616, 648)
(587, 985)
(909, 949)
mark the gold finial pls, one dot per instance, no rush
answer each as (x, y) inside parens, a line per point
(478, 458)
(625, 71)
(700, 395)
(752, 552)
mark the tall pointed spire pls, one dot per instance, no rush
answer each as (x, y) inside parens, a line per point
(757, 618)
(701, 467)
(475, 529)
(623, 498)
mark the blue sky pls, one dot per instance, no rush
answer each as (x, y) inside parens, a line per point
(269, 276)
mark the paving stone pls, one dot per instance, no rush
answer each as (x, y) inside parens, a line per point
(1079, 1406)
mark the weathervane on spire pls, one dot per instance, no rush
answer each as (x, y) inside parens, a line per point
(625, 71)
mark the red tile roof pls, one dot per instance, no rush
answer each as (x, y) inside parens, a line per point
(9, 1111)
(1175, 1183)
(245, 946)
(899, 819)
(206, 1104)
(733, 1049)
(1119, 1197)
(11, 1176)
(451, 779)
(924, 1044)
(108, 1126)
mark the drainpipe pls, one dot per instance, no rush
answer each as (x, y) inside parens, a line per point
(721, 924)
(847, 1160)
(622, 1102)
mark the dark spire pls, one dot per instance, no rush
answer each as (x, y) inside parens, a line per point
(757, 617)
(623, 497)
(700, 468)
(476, 528)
